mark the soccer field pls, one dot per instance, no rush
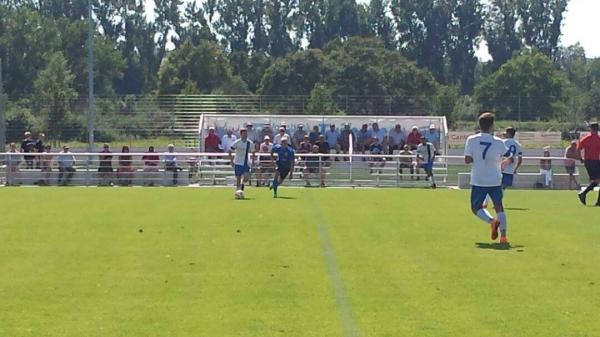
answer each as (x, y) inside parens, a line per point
(332, 262)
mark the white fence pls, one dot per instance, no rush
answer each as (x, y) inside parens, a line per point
(214, 169)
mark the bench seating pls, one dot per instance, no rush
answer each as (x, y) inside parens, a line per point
(525, 180)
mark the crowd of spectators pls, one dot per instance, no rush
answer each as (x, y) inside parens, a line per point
(36, 155)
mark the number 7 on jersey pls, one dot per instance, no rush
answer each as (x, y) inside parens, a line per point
(487, 147)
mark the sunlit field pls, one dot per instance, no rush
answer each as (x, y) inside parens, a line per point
(314, 262)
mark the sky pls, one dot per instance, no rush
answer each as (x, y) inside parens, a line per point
(581, 24)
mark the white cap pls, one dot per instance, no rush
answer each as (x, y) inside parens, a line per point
(267, 138)
(432, 126)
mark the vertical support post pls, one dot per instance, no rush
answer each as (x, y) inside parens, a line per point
(90, 112)
(2, 113)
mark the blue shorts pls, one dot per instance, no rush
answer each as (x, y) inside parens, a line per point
(478, 195)
(507, 179)
(240, 170)
(428, 167)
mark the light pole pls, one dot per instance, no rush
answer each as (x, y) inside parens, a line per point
(2, 114)
(90, 112)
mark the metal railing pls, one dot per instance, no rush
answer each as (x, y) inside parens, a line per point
(214, 169)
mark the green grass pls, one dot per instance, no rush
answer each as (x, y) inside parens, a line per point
(389, 262)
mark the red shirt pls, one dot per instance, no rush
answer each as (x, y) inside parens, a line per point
(413, 139)
(211, 143)
(590, 144)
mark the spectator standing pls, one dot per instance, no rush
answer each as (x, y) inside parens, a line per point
(171, 163)
(212, 141)
(125, 169)
(345, 137)
(228, 139)
(28, 146)
(39, 148)
(332, 136)
(151, 161)
(313, 165)
(590, 146)
(252, 135)
(281, 134)
(571, 158)
(105, 169)
(546, 168)
(45, 161)
(396, 139)
(298, 136)
(364, 138)
(323, 147)
(66, 166)
(266, 167)
(433, 136)
(314, 135)
(414, 138)
(13, 159)
(407, 162)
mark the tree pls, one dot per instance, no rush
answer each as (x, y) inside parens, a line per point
(279, 22)
(541, 23)
(465, 30)
(54, 89)
(295, 74)
(500, 31)
(204, 66)
(320, 101)
(526, 87)
(380, 23)
(423, 30)
(234, 22)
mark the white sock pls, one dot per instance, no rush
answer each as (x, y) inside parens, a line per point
(484, 215)
(503, 222)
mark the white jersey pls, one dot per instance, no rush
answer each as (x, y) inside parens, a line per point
(516, 151)
(487, 152)
(426, 152)
(242, 152)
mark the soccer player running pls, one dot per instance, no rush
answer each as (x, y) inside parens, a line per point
(241, 162)
(590, 146)
(426, 154)
(285, 163)
(485, 152)
(510, 169)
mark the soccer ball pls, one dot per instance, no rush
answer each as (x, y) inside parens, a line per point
(239, 194)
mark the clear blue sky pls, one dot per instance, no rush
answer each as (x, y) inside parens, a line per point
(581, 24)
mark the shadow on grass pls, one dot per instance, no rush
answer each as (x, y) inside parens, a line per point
(286, 198)
(499, 246)
(516, 209)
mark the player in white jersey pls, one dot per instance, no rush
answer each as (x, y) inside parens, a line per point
(426, 155)
(510, 169)
(486, 153)
(243, 147)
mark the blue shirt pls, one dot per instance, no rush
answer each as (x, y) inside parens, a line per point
(285, 157)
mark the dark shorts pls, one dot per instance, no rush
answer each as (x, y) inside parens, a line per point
(478, 195)
(240, 170)
(570, 169)
(593, 169)
(283, 171)
(105, 169)
(507, 179)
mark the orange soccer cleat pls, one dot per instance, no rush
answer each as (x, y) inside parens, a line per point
(494, 226)
(504, 240)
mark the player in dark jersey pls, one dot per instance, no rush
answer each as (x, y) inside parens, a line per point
(285, 163)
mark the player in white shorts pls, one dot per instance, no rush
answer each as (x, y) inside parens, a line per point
(243, 147)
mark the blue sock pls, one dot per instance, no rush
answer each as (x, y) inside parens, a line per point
(275, 185)
(503, 222)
